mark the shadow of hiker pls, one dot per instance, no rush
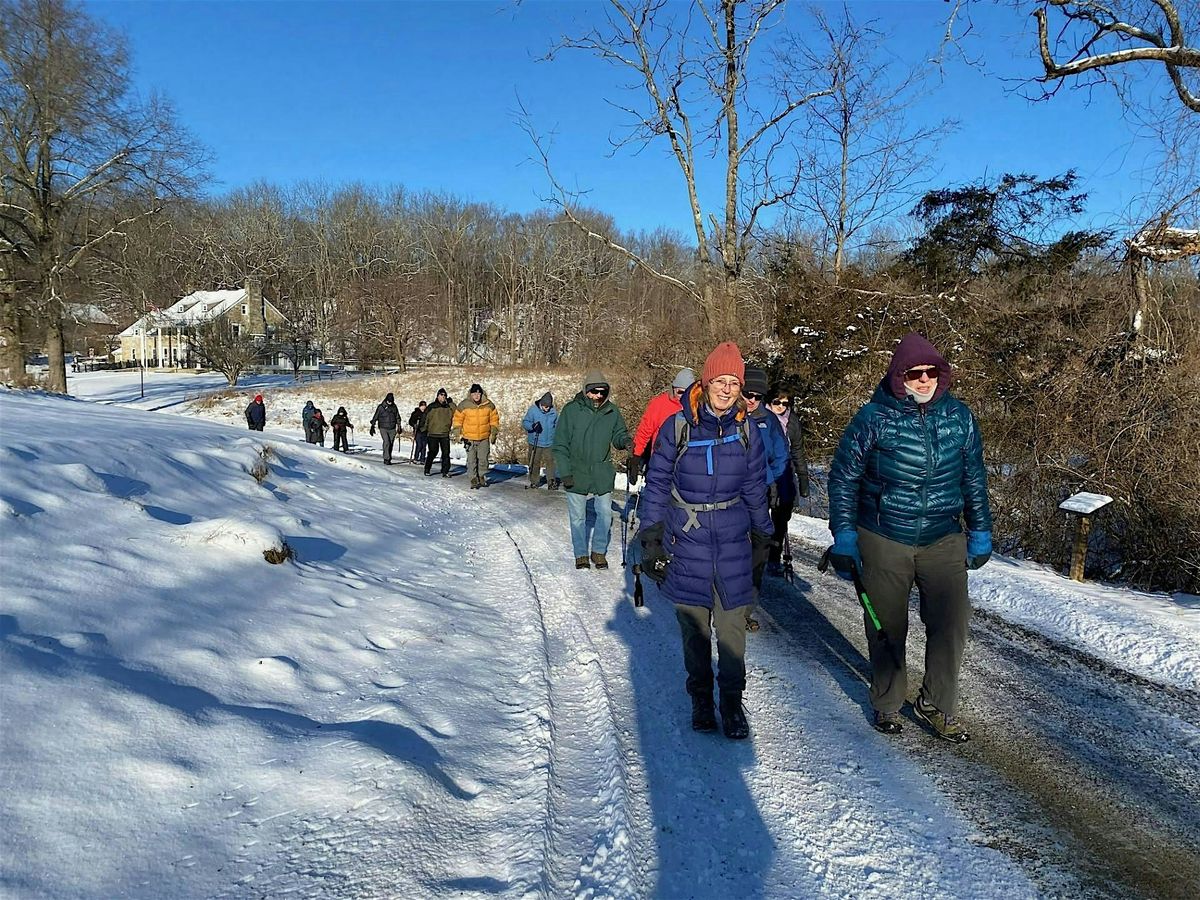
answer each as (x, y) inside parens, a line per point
(711, 839)
(52, 656)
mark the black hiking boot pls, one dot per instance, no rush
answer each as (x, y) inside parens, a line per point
(888, 723)
(733, 717)
(943, 726)
(582, 562)
(704, 714)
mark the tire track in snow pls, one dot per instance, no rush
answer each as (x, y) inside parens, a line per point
(588, 847)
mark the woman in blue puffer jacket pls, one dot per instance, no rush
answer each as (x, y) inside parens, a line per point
(704, 525)
(907, 473)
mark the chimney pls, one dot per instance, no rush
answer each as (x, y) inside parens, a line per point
(256, 321)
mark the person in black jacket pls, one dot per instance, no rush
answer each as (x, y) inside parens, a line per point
(387, 417)
(256, 414)
(416, 421)
(793, 484)
(316, 428)
(340, 423)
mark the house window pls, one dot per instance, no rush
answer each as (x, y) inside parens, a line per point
(237, 330)
(245, 309)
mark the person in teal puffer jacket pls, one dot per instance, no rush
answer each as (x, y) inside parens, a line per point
(907, 474)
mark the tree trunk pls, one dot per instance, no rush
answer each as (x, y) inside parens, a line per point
(56, 377)
(12, 353)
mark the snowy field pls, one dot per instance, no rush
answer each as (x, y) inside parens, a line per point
(428, 700)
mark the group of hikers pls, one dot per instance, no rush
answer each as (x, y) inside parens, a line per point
(723, 464)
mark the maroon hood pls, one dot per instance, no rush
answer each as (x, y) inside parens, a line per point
(914, 350)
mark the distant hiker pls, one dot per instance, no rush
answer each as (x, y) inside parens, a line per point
(704, 525)
(588, 429)
(340, 423)
(439, 419)
(775, 444)
(305, 415)
(906, 475)
(477, 423)
(539, 424)
(660, 408)
(387, 417)
(316, 428)
(256, 414)
(794, 482)
(416, 421)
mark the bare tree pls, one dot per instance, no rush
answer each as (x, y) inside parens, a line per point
(691, 71)
(863, 160)
(221, 346)
(78, 148)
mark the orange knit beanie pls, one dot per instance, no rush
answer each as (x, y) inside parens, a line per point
(726, 359)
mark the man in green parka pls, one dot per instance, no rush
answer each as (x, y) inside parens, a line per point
(589, 427)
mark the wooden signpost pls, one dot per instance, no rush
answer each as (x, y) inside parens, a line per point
(1083, 506)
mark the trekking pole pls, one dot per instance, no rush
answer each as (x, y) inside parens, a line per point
(789, 574)
(629, 522)
(529, 465)
(866, 604)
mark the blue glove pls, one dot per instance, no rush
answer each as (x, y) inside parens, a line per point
(979, 548)
(844, 555)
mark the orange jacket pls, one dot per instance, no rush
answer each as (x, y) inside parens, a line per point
(476, 421)
(658, 410)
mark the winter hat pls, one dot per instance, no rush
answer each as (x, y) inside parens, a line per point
(756, 381)
(684, 380)
(442, 392)
(258, 398)
(594, 379)
(475, 389)
(915, 350)
(726, 359)
(547, 399)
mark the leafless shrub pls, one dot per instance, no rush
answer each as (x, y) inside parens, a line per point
(277, 555)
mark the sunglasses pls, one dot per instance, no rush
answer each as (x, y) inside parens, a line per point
(915, 374)
(678, 391)
(753, 395)
(779, 401)
(599, 392)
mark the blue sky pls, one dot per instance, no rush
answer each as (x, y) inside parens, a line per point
(424, 95)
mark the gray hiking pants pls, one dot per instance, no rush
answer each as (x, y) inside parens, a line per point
(388, 436)
(696, 627)
(477, 459)
(541, 456)
(940, 573)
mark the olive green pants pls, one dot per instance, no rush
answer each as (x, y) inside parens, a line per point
(939, 570)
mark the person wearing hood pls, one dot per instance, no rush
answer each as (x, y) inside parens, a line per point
(660, 408)
(340, 423)
(539, 424)
(705, 525)
(387, 418)
(907, 476)
(439, 418)
(477, 423)
(589, 427)
(306, 416)
(316, 427)
(256, 414)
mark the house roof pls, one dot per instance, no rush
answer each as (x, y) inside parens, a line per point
(196, 307)
(88, 314)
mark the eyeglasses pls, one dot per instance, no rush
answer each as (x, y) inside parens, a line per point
(779, 401)
(915, 374)
(731, 385)
(752, 395)
(678, 391)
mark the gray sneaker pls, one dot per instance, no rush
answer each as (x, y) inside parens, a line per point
(944, 726)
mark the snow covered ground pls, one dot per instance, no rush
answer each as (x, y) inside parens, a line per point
(427, 701)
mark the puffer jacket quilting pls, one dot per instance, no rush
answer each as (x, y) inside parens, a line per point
(717, 554)
(910, 473)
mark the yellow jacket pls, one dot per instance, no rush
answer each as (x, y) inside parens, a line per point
(476, 421)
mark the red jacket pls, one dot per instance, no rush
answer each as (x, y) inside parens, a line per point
(658, 410)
